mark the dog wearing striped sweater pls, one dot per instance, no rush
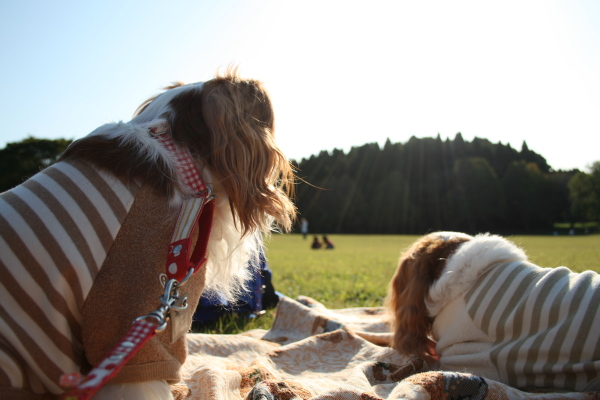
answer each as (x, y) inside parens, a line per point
(83, 244)
(476, 304)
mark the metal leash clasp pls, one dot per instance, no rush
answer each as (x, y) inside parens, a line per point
(169, 299)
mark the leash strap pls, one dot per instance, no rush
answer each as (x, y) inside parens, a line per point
(84, 388)
(179, 259)
(180, 265)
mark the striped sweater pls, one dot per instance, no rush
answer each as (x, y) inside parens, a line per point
(55, 232)
(501, 317)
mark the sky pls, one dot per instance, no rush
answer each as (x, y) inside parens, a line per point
(341, 73)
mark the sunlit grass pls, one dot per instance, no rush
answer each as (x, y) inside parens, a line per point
(356, 273)
(578, 253)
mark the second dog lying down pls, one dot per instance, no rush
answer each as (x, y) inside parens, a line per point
(476, 304)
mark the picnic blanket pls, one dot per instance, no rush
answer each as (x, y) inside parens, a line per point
(312, 352)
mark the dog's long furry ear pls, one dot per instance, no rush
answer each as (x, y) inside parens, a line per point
(405, 303)
(239, 148)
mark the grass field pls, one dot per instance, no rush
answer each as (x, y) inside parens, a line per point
(356, 273)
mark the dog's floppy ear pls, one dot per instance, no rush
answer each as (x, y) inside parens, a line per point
(406, 305)
(230, 124)
(417, 269)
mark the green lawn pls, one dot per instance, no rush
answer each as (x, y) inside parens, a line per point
(356, 273)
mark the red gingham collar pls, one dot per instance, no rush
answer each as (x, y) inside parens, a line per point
(183, 160)
(195, 212)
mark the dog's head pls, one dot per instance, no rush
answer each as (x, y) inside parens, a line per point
(227, 124)
(417, 269)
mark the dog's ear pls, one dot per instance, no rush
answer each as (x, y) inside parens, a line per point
(417, 269)
(406, 304)
(229, 125)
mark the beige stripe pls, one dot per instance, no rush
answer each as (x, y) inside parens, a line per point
(509, 353)
(188, 218)
(578, 296)
(196, 205)
(51, 371)
(480, 290)
(553, 318)
(532, 320)
(512, 300)
(497, 289)
(21, 250)
(33, 310)
(552, 285)
(66, 358)
(122, 194)
(10, 360)
(30, 381)
(87, 206)
(5, 380)
(34, 313)
(184, 213)
(103, 188)
(65, 219)
(586, 322)
(89, 239)
(591, 371)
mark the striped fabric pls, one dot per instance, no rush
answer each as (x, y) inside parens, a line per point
(55, 232)
(543, 322)
(187, 218)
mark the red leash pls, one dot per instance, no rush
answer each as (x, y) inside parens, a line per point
(180, 266)
(84, 388)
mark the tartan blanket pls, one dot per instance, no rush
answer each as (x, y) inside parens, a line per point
(312, 352)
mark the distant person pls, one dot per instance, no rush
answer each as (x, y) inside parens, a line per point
(327, 243)
(304, 227)
(316, 244)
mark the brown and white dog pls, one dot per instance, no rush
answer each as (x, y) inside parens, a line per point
(83, 244)
(476, 304)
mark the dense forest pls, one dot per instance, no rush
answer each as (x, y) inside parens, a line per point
(430, 184)
(422, 185)
(20, 160)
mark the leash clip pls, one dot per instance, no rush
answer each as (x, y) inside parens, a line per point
(170, 299)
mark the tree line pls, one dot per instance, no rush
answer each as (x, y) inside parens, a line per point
(415, 187)
(431, 184)
(21, 160)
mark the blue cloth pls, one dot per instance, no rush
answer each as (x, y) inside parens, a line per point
(259, 297)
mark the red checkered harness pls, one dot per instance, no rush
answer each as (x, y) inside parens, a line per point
(181, 264)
